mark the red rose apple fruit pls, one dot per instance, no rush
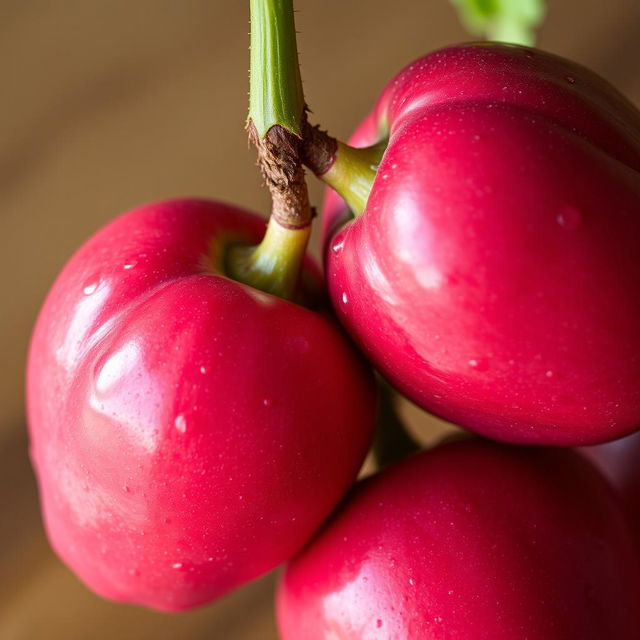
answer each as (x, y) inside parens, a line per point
(494, 274)
(189, 432)
(472, 540)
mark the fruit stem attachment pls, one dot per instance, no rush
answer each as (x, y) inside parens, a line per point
(350, 171)
(275, 124)
(268, 266)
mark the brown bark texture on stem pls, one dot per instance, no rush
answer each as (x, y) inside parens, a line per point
(318, 149)
(280, 163)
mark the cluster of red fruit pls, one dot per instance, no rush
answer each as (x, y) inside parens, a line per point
(190, 432)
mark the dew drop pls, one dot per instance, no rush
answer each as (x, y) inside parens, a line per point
(203, 369)
(473, 363)
(267, 402)
(570, 79)
(130, 264)
(90, 288)
(549, 374)
(180, 423)
(411, 582)
(126, 488)
(177, 565)
(569, 217)
(337, 247)
(345, 299)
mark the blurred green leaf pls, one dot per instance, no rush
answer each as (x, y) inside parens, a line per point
(504, 20)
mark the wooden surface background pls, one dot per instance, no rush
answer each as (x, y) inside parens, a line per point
(110, 103)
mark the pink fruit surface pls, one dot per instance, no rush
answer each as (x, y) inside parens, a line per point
(619, 462)
(472, 540)
(188, 432)
(494, 275)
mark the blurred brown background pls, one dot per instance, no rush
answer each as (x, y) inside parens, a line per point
(110, 103)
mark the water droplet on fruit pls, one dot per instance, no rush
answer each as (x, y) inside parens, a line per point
(267, 402)
(437, 619)
(130, 264)
(570, 79)
(180, 423)
(473, 363)
(126, 488)
(337, 247)
(569, 217)
(549, 374)
(203, 369)
(90, 288)
(411, 582)
(345, 299)
(177, 565)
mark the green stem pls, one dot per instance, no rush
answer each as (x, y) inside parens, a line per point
(350, 171)
(274, 265)
(275, 124)
(353, 172)
(275, 96)
(515, 33)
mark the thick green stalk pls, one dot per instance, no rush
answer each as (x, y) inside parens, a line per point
(275, 124)
(276, 96)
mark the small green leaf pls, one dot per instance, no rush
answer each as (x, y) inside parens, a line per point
(512, 21)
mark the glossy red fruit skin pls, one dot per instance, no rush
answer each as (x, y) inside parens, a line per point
(188, 432)
(494, 276)
(472, 540)
(619, 463)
